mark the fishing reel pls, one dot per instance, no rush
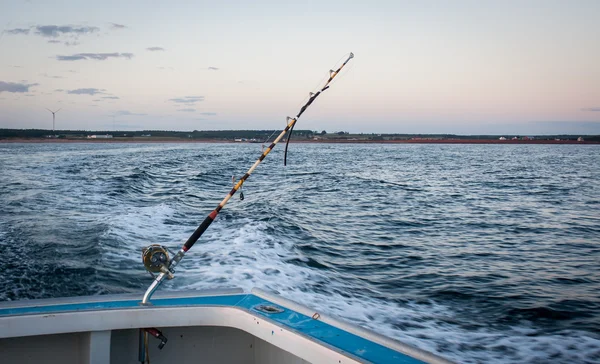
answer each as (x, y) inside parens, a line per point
(156, 260)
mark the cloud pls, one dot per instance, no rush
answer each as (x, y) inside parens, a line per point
(16, 66)
(86, 91)
(59, 90)
(212, 68)
(111, 97)
(71, 58)
(57, 32)
(18, 31)
(208, 113)
(47, 75)
(155, 49)
(15, 87)
(94, 56)
(117, 26)
(54, 31)
(187, 99)
(187, 110)
(591, 109)
(128, 113)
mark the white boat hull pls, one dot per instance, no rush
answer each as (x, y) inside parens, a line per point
(225, 326)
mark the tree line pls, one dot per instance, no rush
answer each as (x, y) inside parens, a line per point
(259, 135)
(255, 135)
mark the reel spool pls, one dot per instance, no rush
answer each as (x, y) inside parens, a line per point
(156, 259)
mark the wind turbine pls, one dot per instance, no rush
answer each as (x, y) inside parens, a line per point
(53, 117)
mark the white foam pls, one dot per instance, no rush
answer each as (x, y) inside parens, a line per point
(133, 228)
(242, 253)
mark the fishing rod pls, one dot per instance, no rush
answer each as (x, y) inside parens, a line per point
(156, 257)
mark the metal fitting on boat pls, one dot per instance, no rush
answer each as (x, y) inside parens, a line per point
(268, 309)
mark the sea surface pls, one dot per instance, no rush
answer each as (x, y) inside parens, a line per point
(479, 253)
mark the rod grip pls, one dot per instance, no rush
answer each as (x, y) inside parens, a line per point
(198, 232)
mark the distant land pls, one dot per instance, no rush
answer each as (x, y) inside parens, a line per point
(265, 136)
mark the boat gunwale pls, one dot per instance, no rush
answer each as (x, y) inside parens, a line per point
(360, 331)
(256, 294)
(117, 297)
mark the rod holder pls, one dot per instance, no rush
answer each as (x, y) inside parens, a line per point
(150, 291)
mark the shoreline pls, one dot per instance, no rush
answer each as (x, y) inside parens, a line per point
(331, 141)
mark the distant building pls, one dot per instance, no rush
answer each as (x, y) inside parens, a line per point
(106, 136)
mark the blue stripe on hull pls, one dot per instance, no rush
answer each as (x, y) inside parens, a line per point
(349, 343)
(331, 335)
(230, 300)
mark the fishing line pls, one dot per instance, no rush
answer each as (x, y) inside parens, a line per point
(325, 76)
(346, 72)
(269, 137)
(313, 96)
(315, 88)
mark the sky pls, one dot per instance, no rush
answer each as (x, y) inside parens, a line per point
(463, 67)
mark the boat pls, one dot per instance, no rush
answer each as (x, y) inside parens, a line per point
(210, 326)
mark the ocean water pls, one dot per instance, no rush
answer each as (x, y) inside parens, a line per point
(479, 253)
